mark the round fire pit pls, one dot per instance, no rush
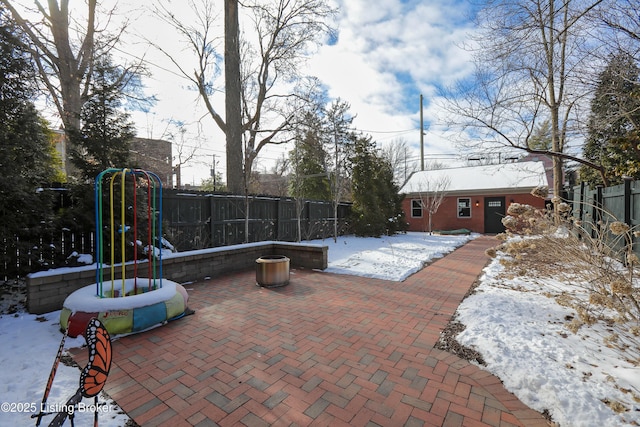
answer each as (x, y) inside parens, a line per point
(272, 271)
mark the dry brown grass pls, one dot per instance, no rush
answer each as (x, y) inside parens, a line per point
(599, 264)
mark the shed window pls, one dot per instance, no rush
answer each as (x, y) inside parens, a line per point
(416, 209)
(464, 207)
(494, 203)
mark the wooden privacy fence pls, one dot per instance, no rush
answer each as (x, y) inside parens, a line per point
(22, 255)
(197, 220)
(192, 220)
(597, 207)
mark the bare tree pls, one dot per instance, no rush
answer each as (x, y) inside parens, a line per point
(185, 148)
(340, 138)
(533, 61)
(271, 87)
(432, 194)
(622, 16)
(64, 72)
(280, 171)
(66, 45)
(65, 50)
(397, 153)
(296, 184)
(284, 32)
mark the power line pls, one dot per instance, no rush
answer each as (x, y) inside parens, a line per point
(386, 131)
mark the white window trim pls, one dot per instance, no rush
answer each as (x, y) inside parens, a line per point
(421, 208)
(458, 207)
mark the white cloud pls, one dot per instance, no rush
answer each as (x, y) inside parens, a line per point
(386, 54)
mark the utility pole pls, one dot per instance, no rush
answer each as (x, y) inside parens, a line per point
(421, 136)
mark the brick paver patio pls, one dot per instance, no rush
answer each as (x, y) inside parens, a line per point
(326, 350)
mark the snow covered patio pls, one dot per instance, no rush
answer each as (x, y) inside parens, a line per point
(328, 349)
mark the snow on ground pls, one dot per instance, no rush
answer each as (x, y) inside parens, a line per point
(29, 344)
(388, 257)
(522, 335)
(519, 332)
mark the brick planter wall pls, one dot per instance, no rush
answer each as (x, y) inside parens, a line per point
(46, 291)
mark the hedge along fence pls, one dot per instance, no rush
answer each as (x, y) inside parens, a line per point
(47, 290)
(597, 208)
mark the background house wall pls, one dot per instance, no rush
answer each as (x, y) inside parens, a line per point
(447, 216)
(148, 154)
(488, 190)
(153, 155)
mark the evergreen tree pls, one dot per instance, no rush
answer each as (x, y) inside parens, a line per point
(103, 141)
(25, 151)
(309, 180)
(541, 137)
(614, 122)
(211, 184)
(377, 206)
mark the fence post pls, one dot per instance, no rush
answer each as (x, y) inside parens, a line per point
(212, 226)
(597, 210)
(627, 207)
(279, 213)
(581, 201)
(627, 200)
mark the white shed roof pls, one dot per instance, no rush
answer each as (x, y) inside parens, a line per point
(519, 176)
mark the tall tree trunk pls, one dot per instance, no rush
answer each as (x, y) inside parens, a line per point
(555, 43)
(232, 98)
(556, 146)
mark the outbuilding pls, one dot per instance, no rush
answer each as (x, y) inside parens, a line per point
(475, 198)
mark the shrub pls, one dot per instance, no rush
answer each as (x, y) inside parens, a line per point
(595, 258)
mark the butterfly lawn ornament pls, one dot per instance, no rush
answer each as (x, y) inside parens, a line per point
(92, 378)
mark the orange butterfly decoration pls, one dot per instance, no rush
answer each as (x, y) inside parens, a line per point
(95, 374)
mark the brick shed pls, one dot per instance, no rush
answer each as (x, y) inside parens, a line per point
(475, 198)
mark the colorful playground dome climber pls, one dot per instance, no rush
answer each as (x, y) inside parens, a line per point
(126, 304)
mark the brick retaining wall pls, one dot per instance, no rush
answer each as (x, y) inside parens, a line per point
(46, 291)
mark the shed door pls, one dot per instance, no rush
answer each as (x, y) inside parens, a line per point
(494, 211)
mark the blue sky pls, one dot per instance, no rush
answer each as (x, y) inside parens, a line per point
(385, 54)
(388, 52)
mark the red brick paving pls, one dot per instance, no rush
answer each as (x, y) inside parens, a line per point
(326, 350)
